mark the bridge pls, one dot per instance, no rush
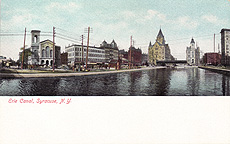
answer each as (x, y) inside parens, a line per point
(171, 62)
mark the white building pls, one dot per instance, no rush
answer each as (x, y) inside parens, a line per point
(95, 54)
(193, 54)
(225, 47)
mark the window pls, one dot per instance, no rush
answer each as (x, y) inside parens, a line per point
(43, 53)
(47, 51)
(51, 53)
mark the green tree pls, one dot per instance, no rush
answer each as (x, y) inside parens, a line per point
(27, 52)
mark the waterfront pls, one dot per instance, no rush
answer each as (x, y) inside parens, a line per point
(154, 82)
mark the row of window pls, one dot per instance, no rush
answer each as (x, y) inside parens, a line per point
(85, 49)
(47, 53)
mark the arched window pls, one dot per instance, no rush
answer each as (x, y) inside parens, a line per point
(35, 39)
(43, 53)
(51, 53)
(47, 51)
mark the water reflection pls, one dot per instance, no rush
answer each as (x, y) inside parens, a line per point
(160, 82)
(225, 85)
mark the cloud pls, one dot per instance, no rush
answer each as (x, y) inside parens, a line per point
(143, 16)
(70, 6)
(186, 21)
(128, 14)
(210, 18)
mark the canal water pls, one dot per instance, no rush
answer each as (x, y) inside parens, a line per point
(155, 82)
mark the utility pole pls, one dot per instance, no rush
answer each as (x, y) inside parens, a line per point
(23, 50)
(130, 59)
(82, 50)
(214, 41)
(87, 53)
(53, 48)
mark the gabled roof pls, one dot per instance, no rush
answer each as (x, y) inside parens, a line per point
(46, 41)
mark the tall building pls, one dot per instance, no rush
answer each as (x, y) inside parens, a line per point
(42, 52)
(225, 47)
(159, 51)
(193, 54)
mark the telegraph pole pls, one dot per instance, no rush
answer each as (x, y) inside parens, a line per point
(87, 48)
(214, 41)
(130, 59)
(82, 50)
(23, 50)
(53, 47)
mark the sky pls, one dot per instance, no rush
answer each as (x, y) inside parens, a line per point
(115, 20)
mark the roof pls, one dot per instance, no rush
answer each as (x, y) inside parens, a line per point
(223, 30)
(192, 41)
(46, 41)
(35, 31)
(160, 34)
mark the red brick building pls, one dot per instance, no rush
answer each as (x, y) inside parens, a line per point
(212, 58)
(136, 55)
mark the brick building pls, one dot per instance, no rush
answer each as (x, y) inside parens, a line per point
(212, 59)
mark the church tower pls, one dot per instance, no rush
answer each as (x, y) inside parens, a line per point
(35, 40)
(160, 37)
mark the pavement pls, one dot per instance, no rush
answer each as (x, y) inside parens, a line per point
(37, 74)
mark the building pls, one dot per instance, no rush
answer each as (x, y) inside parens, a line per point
(212, 59)
(144, 58)
(225, 47)
(111, 51)
(193, 54)
(135, 56)
(123, 55)
(64, 58)
(159, 51)
(76, 55)
(42, 52)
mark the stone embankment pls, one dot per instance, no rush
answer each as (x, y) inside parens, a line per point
(216, 69)
(33, 74)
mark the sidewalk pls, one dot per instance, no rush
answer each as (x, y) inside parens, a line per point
(216, 69)
(36, 74)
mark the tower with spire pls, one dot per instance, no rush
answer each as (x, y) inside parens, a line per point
(159, 51)
(193, 53)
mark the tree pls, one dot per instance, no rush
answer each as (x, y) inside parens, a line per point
(27, 52)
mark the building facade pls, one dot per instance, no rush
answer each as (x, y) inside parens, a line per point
(144, 58)
(212, 59)
(193, 54)
(135, 56)
(42, 52)
(64, 58)
(76, 55)
(225, 47)
(159, 51)
(111, 51)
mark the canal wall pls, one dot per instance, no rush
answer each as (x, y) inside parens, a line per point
(216, 69)
(43, 75)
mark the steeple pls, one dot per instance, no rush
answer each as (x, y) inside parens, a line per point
(150, 44)
(160, 34)
(160, 37)
(192, 41)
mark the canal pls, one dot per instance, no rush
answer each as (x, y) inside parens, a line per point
(155, 82)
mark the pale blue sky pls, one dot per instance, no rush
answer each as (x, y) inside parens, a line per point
(118, 20)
